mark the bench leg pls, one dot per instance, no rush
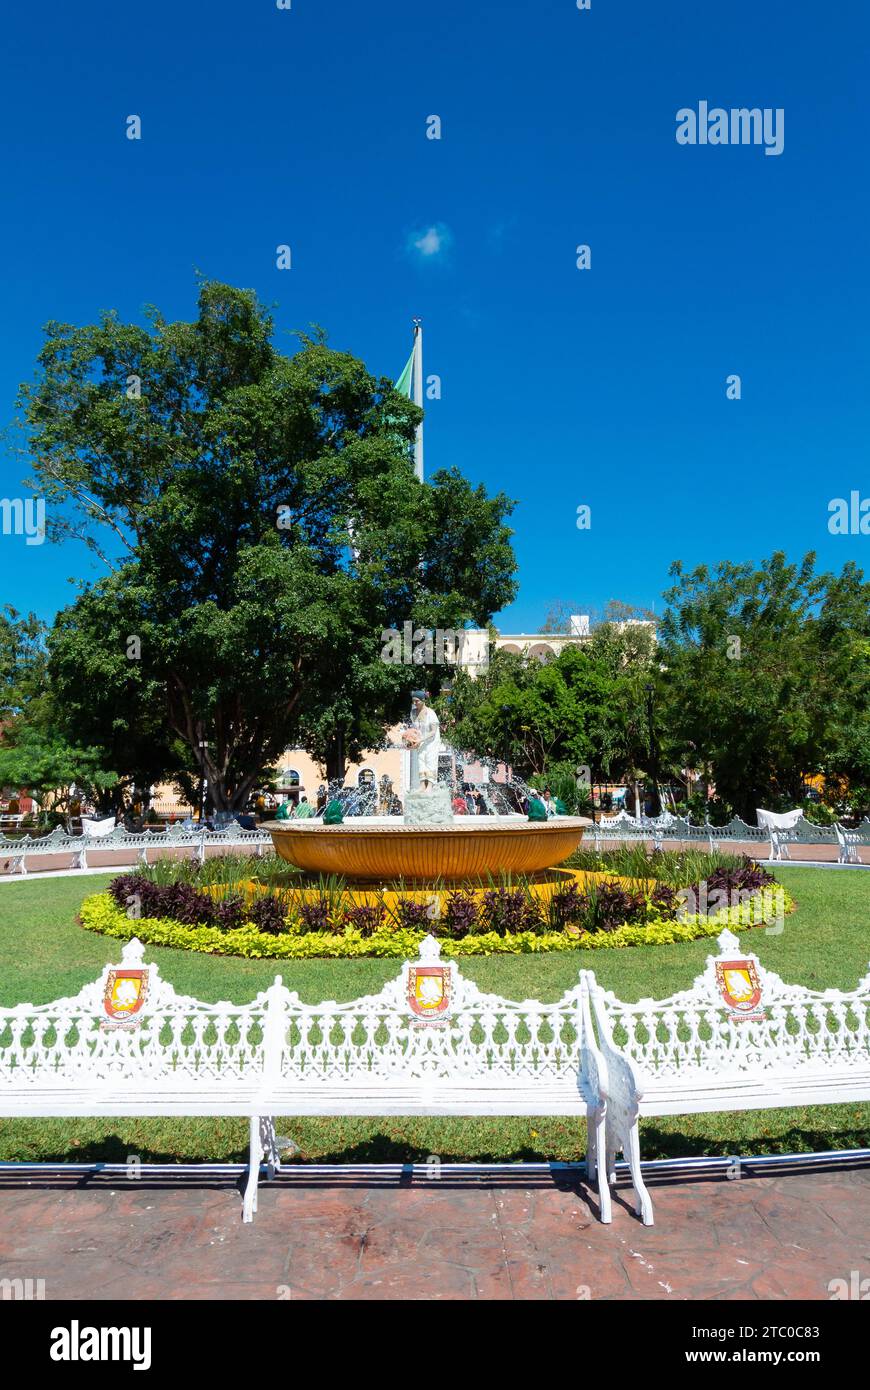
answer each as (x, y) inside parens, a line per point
(591, 1143)
(642, 1199)
(270, 1145)
(249, 1205)
(596, 1159)
(611, 1148)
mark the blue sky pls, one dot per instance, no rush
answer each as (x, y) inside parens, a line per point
(561, 387)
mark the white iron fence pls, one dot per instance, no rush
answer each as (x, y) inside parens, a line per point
(134, 846)
(15, 852)
(667, 827)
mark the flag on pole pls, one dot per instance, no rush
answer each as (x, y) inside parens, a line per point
(405, 384)
(410, 384)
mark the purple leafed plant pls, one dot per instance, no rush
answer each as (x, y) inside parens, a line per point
(460, 915)
(268, 914)
(611, 906)
(180, 901)
(229, 912)
(507, 910)
(567, 906)
(315, 916)
(365, 918)
(744, 877)
(412, 914)
(665, 899)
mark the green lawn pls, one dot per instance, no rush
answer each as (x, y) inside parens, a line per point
(44, 954)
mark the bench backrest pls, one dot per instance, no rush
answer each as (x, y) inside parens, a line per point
(740, 1016)
(168, 1037)
(427, 1023)
(398, 1032)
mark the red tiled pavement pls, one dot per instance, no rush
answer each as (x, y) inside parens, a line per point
(773, 1237)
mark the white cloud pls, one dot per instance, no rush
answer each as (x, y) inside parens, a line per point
(430, 244)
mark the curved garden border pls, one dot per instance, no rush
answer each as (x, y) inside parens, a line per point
(99, 913)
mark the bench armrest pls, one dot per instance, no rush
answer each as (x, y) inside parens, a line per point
(624, 1080)
(592, 1060)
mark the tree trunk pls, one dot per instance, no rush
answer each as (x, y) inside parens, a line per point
(336, 763)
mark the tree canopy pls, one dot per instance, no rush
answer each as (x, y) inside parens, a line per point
(767, 676)
(261, 524)
(757, 676)
(585, 707)
(34, 751)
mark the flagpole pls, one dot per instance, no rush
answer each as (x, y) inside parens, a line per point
(418, 397)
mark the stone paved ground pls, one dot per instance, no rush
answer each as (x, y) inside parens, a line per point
(773, 1237)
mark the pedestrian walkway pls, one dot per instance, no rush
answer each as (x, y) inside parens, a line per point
(778, 1237)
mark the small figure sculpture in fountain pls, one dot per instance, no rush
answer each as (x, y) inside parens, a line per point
(426, 722)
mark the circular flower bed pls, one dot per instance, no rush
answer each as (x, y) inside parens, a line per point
(570, 911)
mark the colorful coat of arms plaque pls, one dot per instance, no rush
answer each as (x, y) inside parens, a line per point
(125, 993)
(739, 985)
(429, 990)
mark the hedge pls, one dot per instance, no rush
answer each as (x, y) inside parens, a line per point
(99, 913)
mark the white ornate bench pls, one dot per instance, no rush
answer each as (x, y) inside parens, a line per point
(739, 1039)
(430, 1043)
(849, 843)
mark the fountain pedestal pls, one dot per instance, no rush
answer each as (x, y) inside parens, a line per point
(434, 807)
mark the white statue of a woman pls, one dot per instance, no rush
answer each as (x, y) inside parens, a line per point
(425, 721)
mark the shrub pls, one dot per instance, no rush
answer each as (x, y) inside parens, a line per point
(676, 867)
(411, 915)
(567, 906)
(664, 900)
(315, 916)
(268, 914)
(508, 910)
(124, 887)
(460, 916)
(100, 914)
(609, 906)
(229, 912)
(180, 901)
(366, 918)
(186, 904)
(727, 884)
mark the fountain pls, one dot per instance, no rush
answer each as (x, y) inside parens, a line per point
(376, 849)
(430, 843)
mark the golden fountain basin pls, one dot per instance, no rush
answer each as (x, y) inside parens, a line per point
(465, 849)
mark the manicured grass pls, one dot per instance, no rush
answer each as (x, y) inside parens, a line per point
(44, 954)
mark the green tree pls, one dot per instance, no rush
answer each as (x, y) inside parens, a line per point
(262, 524)
(51, 770)
(103, 697)
(637, 750)
(843, 633)
(34, 754)
(570, 711)
(748, 681)
(22, 663)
